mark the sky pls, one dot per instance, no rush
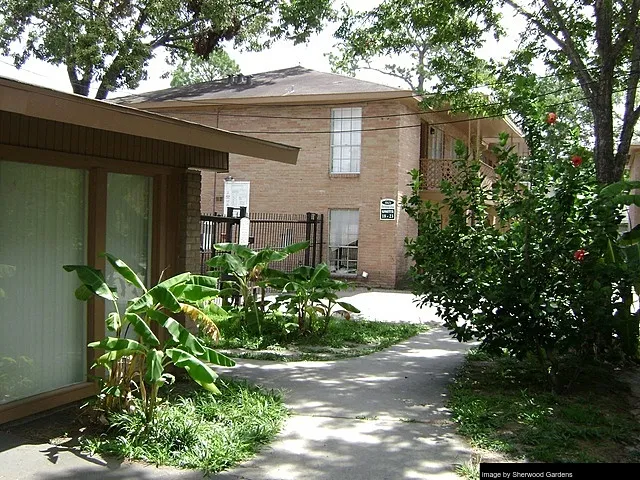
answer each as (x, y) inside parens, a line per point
(283, 54)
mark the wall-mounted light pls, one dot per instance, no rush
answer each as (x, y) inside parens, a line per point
(229, 178)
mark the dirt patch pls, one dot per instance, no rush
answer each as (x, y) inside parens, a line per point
(60, 426)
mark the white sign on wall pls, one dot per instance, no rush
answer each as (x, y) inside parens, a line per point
(387, 209)
(236, 195)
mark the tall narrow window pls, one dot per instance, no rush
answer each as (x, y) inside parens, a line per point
(343, 241)
(42, 325)
(436, 143)
(129, 229)
(346, 135)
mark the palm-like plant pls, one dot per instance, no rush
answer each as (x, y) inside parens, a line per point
(249, 268)
(138, 365)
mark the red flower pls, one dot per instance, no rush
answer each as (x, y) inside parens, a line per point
(551, 118)
(576, 160)
(579, 255)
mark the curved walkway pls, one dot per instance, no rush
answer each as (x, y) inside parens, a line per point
(381, 416)
(376, 417)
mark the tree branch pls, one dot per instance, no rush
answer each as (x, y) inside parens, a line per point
(168, 35)
(631, 111)
(116, 68)
(391, 74)
(569, 50)
(627, 31)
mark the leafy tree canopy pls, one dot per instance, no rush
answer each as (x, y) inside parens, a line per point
(592, 45)
(196, 69)
(108, 44)
(434, 36)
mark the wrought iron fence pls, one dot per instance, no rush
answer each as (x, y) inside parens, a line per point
(266, 230)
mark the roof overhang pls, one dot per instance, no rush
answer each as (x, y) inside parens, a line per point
(332, 99)
(40, 102)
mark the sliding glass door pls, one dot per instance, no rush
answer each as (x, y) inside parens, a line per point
(129, 206)
(42, 325)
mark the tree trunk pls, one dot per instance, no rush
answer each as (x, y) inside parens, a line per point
(608, 167)
(79, 86)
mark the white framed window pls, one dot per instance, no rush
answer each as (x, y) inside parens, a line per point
(343, 241)
(346, 138)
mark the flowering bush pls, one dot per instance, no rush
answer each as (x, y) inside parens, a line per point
(550, 275)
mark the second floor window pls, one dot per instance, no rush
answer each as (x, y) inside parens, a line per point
(346, 135)
(436, 143)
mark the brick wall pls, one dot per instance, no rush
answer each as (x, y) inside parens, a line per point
(189, 222)
(408, 152)
(310, 187)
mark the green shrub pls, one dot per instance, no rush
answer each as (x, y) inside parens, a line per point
(550, 275)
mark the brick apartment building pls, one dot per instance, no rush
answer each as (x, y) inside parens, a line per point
(358, 142)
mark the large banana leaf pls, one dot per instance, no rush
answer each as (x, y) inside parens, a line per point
(229, 263)
(93, 279)
(124, 270)
(180, 335)
(204, 280)
(348, 307)
(199, 371)
(113, 322)
(170, 282)
(158, 294)
(217, 358)
(142, 329)
(195, 293)
(83, 293)
(295, 247)
(264, 257)
(112, 356)
(113, 343)
(155, 369)
(235, 248)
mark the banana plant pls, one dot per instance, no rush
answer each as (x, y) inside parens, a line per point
(139, 365)
(310, 293)
(249, 268)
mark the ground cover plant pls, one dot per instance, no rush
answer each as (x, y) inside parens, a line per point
(303, 318)
(503, 404)
(195, 429)
(342, 339)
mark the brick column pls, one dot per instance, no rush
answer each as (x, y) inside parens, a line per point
(190, 222)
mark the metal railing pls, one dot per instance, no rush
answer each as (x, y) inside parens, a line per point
(266, 230)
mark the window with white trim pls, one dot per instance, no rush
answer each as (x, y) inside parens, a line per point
(343, 241)
(346, 136)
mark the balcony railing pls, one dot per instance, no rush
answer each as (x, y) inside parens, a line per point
(435, 170)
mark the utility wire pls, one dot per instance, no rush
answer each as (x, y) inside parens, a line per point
(399, 127)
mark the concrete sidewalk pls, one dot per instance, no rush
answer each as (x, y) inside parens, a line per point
(376, 417)
(381, 416)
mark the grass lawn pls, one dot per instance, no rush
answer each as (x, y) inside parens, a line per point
(505, 405)
(343, 339)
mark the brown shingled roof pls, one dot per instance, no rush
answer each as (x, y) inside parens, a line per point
(294, 81)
